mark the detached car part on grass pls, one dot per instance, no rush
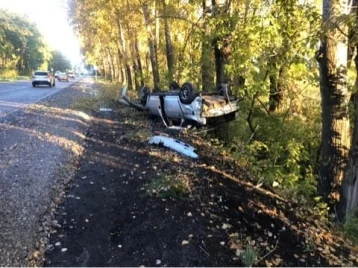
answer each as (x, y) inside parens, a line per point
(184, 105)
(175, 145)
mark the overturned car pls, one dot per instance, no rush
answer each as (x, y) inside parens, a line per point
(180, 106)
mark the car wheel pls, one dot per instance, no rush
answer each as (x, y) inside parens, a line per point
(33, 85)
(187, 93)
(144, 92)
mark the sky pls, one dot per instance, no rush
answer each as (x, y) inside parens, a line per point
(50, 16)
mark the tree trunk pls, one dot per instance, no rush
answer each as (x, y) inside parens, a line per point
(349, 193)
(110, 62)
(168, 44)
(222, 52)
(276, 88)
(129, 77)
(207, 71)
(333, 85)
(222, 46)
(152, 47)
(139, 63)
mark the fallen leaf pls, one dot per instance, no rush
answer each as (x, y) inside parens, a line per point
(268, 264)
(277, 261)
(226, 226)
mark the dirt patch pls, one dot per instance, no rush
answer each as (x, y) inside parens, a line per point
(135, 204)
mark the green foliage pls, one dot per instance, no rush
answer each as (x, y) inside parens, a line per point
(283, 152)
(21, 46)
(8, 74)
(350, 226)
(169, 186)
(59, 62)
(249, 256)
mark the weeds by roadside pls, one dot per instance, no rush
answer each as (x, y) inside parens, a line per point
(104, 95)
(350, 227)
(164, 186)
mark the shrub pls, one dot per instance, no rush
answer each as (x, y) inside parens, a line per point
(350, 226)
(170, 186)
(283, 151)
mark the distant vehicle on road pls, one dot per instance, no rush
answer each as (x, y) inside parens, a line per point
(43, 78)
(63, 77)
(57, 73)
(71, 74)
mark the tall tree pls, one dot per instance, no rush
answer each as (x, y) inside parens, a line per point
(349, 193)
(168, 43)
(59, 62)
(332, 59)
(152, 45)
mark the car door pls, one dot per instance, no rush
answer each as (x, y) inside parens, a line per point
(172, 106)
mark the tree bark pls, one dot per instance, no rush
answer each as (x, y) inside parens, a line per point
(334, 94)
(349, 192)
(168, 43)
(276, 88)
(222, 46)
(206, 60)
(152, 47)
(222, 53)
(139, 63)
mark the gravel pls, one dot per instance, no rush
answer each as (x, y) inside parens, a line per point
(39, 150)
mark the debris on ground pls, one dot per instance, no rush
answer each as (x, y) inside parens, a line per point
(175, 145)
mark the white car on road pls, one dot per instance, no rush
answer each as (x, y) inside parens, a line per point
(43, 78)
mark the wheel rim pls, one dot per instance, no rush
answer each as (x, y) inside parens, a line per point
(185, 93)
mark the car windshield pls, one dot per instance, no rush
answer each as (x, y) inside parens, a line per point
(41, 73)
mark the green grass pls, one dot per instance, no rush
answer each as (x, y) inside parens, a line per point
(169, 186)
(249, 256)
(11, 79)
(350, 227)
(108, 95)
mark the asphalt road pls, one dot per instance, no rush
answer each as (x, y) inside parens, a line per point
(17, 95)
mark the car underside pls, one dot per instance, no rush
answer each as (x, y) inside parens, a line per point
(185, 106)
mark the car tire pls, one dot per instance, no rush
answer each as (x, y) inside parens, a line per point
(33, 85)
(187, 93)
(144, 92)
